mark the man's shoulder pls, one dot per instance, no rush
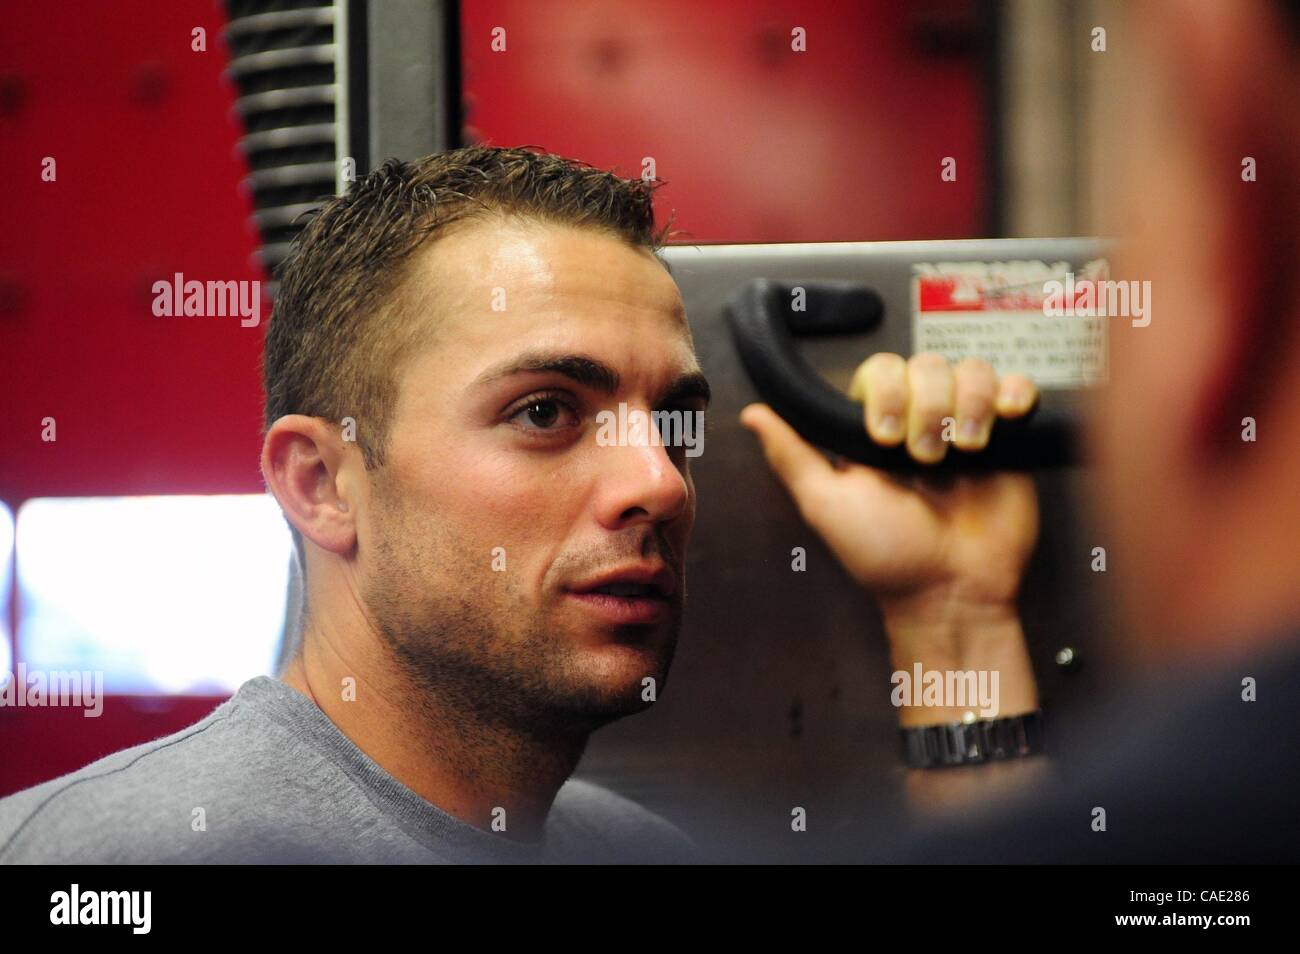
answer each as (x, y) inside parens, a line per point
(142, 803)
(610, 826)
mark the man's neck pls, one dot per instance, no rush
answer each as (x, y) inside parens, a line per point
(484, 773)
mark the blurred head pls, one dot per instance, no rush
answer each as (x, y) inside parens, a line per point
(473, 313)
(1205, 520)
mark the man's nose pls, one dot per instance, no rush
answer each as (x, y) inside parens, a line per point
(640, 479)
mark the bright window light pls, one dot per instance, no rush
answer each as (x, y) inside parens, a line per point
(6, 573)
(162, 594)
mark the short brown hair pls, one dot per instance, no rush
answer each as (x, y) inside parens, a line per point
(329, 351)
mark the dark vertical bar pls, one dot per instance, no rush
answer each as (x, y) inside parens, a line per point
(356, 49)
(991, 41)
(454, 118)
(413, 101)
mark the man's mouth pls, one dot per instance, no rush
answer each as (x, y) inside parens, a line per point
(632, 595)
(627, 589)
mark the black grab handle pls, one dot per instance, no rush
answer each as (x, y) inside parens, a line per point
(763, 326)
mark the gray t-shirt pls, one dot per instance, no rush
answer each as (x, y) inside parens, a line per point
(268, 777)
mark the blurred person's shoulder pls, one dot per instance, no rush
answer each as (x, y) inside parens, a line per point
(1196, 766)
(591, 823)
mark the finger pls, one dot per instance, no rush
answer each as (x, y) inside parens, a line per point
(880, 383)
(977, 389)
(930, 399)
(797, 464)
(1017, 395)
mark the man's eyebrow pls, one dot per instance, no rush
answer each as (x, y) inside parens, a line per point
(590, 372)
(692, 385)
(585, 370)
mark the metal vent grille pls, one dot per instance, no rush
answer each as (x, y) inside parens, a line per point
(286, 61)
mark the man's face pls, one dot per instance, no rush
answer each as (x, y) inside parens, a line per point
(496, 502)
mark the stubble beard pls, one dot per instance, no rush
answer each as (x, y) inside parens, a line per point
(477, 651)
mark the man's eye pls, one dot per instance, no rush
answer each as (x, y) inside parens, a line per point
(543, 414)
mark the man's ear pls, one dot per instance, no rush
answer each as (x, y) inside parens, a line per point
(309, 469)
(1241, 67)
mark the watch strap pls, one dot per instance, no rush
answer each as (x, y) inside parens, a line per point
(972, 743)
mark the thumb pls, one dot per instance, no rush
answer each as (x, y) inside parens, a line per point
(800, 466)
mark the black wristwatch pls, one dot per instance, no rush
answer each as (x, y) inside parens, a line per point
(970, 743)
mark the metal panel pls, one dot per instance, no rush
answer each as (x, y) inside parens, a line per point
(779, 694)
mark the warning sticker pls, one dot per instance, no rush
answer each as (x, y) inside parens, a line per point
(996, 311)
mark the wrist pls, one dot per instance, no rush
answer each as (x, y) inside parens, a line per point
(941, 625)
(942, 632)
